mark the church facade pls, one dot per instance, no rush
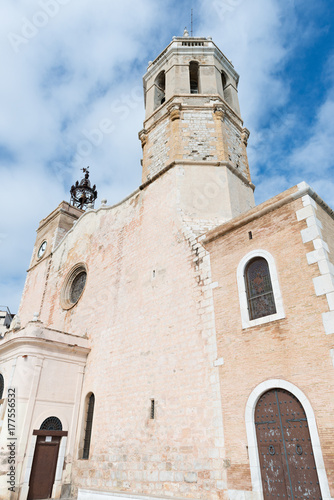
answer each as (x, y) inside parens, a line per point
(178, 344)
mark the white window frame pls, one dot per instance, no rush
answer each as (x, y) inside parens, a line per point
(246, 321)
(253, 451)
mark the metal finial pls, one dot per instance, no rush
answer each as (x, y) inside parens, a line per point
(192, 22)
(82, 194)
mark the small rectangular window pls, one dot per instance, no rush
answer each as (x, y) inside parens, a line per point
(152, 416)
(89, 424)
(193, 73)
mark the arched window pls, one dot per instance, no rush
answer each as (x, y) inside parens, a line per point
(160, 89)
(2, 385)
(51, 424)
(193, 75)
(259, 289)
(88, 428)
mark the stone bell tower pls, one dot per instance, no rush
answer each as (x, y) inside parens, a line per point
(193, 121)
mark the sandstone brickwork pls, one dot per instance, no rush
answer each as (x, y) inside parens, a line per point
(295, 348)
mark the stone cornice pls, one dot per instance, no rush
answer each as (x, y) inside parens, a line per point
(275, 203)
(150, 181)
(174, 48)
(56, 211)
(35, 335)
(180, 99)
(202, 163)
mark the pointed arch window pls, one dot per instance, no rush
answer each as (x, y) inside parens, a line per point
(193, 74)
(259, 289)
(89, 425)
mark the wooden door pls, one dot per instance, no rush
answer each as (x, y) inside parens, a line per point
(43, 467)
(287, 463)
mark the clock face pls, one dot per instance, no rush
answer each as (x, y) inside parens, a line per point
(41, 249)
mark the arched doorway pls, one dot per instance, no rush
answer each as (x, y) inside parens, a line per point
(288, 468)
(45, 460)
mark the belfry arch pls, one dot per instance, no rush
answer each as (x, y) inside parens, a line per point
(281, 391)
(160, 89)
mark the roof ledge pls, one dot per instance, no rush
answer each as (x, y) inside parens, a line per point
(298, 191)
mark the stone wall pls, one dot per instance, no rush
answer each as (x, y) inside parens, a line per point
(148, 314)
(294, 349)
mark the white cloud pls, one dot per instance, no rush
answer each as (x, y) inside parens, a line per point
(84, 66)
(315, 155)
(262, 37)
(64, 80)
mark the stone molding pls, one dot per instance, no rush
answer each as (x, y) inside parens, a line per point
(278, 201)
(143, 186)
(175, 111)
(35, 337)
(174, 49)
(143, 137)
(152, 120)
(219, 111)
(245, 136)
(70, 211)
(110, 495)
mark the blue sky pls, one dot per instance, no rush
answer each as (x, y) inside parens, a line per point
(68, 64)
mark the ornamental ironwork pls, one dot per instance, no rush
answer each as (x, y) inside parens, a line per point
(82, 193)
(77, 287)
(51, 424)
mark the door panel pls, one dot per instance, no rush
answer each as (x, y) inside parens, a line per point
(286, 457)
(43, 468)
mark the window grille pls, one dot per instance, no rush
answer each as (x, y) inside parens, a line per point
(51, 424)
(2, 385)
(260, 295)
(73, 286)
(152, 409)
(77, 287)
(89, 424)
